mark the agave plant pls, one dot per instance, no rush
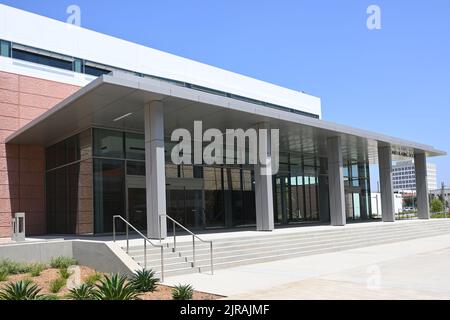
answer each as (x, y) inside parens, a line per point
(182, 292)
(115, 287)
(83, 292)
(144, 281)
(22, 290)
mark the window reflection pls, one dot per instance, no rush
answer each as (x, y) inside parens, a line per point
(108, 144)
(296, 191)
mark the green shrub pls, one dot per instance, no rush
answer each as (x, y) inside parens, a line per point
(3, 275)
(50, 297)
(440, 216)
(36, 269)
(436, 205)
(14, 267)
(22, 290)
(64, 273)
(115, 287)
(144, 281)
(182, 292)
(57, 284)
(83, 292)
(93, 279)
(62, 262)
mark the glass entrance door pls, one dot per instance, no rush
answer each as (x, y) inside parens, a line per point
(136, 197)
(137, 208)
(186, 207)
(195, 215)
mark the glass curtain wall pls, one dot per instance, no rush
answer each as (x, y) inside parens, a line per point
(119, 179)
(69, 186)
(296, 190)
(357, 191)
(101, 173)
(197, 196)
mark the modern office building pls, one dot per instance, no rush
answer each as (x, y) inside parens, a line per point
(85, 128)
(404, 176)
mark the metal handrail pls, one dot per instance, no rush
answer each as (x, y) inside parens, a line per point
(145, 242)
(194, 236)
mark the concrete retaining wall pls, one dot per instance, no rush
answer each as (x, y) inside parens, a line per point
(101, 256)
(36, 252)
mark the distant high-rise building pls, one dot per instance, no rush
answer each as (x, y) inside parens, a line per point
(404, 176)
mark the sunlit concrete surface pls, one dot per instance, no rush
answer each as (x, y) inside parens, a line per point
(5, 241)
(415, 269)
(226, 234)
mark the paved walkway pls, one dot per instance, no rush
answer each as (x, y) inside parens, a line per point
(415, 269)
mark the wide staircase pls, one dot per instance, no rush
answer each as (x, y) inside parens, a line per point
(263, 247)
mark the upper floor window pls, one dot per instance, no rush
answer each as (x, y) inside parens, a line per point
(41, 59)
(95, 70)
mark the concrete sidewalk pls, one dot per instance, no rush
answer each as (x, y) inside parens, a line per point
(415, 269)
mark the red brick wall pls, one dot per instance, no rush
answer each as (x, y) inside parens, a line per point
(22, 168)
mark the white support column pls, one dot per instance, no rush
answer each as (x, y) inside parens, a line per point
(336, 182)
(264, 200)
(263, 188)
(155, 178)
(386, 188)
(423, 205)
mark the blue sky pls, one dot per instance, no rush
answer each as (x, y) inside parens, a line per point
(395, 80)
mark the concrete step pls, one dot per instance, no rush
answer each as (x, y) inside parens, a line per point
(275, 245)
(299, 240)
(289, 249)
(238, 251)
(205, 268)
(307, 235)
(288, 246)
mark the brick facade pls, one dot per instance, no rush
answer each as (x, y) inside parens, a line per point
(22, 168)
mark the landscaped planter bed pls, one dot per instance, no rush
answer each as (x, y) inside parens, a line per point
(82, 274)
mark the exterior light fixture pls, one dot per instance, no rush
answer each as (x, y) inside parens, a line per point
(123, 117)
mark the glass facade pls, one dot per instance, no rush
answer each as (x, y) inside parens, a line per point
(210, 196)
(101, 173)
(69, 186)
(357, 191)
(296, 190)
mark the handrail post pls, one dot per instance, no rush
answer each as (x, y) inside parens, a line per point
(114, 229)
(128, 240)
(211, 250)
(194, 259)
(162, 264)
(145, 242)
(193, 250)
(174, 237)
(145, 254)
(159, 228)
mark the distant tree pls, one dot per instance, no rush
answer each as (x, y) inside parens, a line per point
(436, 205)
